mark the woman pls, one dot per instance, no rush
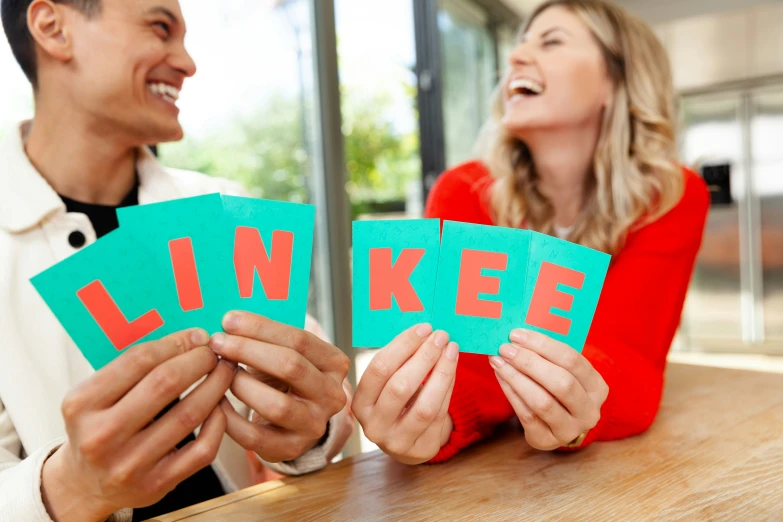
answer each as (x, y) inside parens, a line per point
(581, 145)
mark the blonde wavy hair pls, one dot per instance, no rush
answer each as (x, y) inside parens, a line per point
(636, 177)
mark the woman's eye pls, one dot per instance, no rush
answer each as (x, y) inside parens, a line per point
(549, 43)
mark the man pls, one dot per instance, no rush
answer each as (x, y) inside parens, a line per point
(106, 76)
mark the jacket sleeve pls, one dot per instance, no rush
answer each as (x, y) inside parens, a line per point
(20, 478)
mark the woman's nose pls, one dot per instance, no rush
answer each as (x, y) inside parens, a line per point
(520, 55)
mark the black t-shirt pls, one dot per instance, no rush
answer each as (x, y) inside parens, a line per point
(204, 485)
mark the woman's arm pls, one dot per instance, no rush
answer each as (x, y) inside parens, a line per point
(638, 315)
(632, 330)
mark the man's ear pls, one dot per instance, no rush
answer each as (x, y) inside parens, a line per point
(47, 24)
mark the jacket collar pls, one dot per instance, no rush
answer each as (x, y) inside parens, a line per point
(26, 199)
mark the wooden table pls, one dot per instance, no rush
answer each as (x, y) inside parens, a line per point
(714, 453)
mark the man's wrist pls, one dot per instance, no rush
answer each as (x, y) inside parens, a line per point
(64, 503)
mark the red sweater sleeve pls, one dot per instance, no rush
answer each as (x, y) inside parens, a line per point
(632, 330)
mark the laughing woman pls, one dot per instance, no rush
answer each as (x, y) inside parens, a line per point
(580, 145)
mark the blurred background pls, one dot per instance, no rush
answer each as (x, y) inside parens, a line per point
(357, 106)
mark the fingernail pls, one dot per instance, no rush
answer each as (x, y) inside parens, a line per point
(441, 338)
(497, 362)
(199, 337)
(231, 321)
(217, 342)
(424, 329)
(519, 336)
(508, 351)
(452, 351)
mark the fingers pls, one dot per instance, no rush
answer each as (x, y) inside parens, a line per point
(558, 382)
(429, 405)
(541, 402)
(385, 363)
(561, 355)
(285, 364)
(113, 381)
(196, 455)
(537, 432)
(278, 408)
(168, 431)
(406, 381)
(270, 443)
(321, 354)
(158, 389)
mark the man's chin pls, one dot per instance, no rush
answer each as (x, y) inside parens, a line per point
(164, 135)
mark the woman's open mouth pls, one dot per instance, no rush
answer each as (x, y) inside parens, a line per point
(524, 87)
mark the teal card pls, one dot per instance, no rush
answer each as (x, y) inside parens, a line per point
(395, 266)
(107, 297)
(563, 286)
(271, 245)
(480, 284)
(188, 239)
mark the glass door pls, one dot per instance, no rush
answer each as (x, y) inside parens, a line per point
(767, 154)
(469, 74)
(711, 136)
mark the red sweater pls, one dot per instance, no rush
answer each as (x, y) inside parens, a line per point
(634, 323)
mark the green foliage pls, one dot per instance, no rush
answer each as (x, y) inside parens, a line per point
(265, 151)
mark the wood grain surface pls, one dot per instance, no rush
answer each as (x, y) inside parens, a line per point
(714, 453)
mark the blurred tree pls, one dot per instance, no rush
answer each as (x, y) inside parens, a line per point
(265, 152)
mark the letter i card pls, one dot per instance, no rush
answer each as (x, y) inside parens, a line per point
(187, 238)
(271, 244)
(481, 281)
(107, 297)
(395, 264)
(564, 283)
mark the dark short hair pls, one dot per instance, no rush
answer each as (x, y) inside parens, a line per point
(14, 14)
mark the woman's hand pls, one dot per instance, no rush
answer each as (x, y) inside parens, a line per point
(407, 418)
(554, 390)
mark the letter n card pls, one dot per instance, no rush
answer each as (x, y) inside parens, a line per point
(272, 245)
(395, 264)
(481, 281)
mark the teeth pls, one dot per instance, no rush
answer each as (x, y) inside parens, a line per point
(164, 90)
(522, 85)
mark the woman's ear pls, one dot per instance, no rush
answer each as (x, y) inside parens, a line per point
(47, 23)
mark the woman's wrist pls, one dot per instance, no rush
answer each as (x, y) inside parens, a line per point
(63, 500)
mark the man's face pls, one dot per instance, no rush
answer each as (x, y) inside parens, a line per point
(129, 64)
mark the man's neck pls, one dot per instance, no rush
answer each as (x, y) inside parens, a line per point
(78, 162)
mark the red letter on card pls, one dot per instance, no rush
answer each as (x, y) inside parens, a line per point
(472, 283)
(112, 321)
(183, 261)
(387, 279)
(274, 270)
(546, 296)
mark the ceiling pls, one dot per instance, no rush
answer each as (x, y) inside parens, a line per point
(660, 11)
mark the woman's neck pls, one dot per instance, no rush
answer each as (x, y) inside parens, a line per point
(78, 162)
(563, 162)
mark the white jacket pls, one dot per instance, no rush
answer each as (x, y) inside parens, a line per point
(39, 363)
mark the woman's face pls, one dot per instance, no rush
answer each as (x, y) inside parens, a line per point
(557, 77)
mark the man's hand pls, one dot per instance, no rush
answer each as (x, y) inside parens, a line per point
(293, 384)
(117, 455)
